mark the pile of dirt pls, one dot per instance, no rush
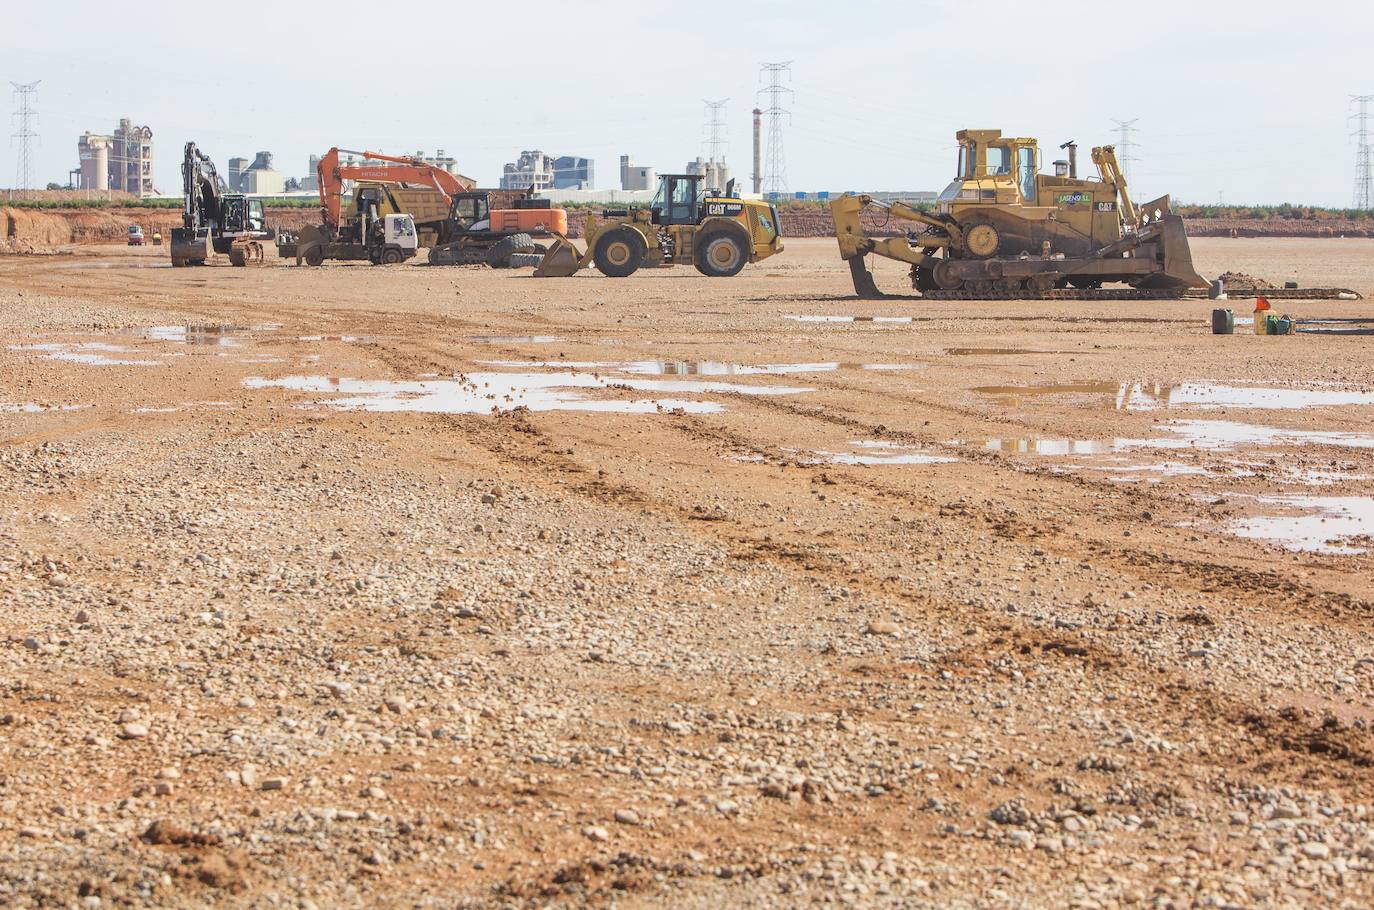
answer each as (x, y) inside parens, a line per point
(44, 230)
(1242, 280)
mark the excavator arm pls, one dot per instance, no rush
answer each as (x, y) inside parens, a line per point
(332, 175)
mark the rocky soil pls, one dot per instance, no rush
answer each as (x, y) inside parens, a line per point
(415, 587)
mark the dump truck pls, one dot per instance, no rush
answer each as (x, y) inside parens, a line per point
(1004, 230)
(719, 233)
(214, 220)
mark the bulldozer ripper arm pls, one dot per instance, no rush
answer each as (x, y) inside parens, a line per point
(854, 241)
(1110, 171)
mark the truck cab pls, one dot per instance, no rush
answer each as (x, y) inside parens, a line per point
(393, 240)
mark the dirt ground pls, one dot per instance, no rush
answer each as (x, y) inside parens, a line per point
(415, 587)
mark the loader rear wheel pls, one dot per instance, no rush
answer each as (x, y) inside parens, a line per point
(498, 256)
(619, 253)
(982, 240)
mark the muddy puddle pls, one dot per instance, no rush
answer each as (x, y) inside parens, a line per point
(515, 339)
(1233, 450)
(212, 335)
(29, 407)
(1334, 525)
(1140, 396)
(111, 265)
(845, 319)
(876, 453)
(994, 352)
(90, 353)
(701, 367)
(483, 393)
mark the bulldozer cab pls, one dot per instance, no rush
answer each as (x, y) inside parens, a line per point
(678, 200)
(1010, 163)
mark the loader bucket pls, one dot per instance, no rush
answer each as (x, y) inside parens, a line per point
(561, 260)
(1178, 257)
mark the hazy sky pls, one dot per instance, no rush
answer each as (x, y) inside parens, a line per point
(1245, 99)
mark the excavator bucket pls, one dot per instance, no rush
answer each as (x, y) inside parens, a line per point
(561, 261)
(189, 247)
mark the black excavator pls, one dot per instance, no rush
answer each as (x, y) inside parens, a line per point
(214, 220)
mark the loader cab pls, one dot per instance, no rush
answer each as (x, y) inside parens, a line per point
(678, 200)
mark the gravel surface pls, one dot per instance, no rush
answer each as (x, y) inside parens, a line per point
(420, 587)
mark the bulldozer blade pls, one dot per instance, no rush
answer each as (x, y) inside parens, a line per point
(864, 285)
(1178, 256)
(561, 260)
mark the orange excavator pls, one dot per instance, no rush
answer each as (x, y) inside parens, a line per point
(389, 215)
(457, 223)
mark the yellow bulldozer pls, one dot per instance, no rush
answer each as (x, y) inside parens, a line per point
(719, 234)
(1004, 230)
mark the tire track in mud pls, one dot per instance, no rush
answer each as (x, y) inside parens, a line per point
(515, 440)
(1326, 750)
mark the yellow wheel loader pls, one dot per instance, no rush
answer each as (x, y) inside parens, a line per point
(717, 234)
(1003, 230)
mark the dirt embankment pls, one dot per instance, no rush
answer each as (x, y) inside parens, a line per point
(44, 230)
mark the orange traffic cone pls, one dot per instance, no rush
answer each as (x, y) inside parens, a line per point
(1261, 316)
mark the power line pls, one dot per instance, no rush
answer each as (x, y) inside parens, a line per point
(1125, 146)
(715, 129)
(1364, 178)
(27, 118)
(775, 171)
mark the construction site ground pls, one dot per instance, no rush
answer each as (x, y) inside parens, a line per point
(423, 587)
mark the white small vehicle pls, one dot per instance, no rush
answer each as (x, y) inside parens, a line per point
(396, 241)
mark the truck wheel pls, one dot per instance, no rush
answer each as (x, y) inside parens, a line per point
(721, 254)
(498, 255)
(314, 255)
(619, 252)
(391, 256)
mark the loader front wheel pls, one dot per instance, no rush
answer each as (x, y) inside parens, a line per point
(619, 253)
(721, 255)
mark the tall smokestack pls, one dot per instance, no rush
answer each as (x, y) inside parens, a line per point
(758, 150)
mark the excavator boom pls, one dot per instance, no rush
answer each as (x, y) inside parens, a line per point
(332, 175)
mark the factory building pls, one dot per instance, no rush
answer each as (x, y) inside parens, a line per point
(715, 174)
(634, 177)
(122, 160)
(256, 179)
(538, 171)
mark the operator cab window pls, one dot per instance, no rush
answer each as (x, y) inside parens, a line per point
(999, 160)
(466, 210)
(965, 161)
(682, 206)
(1025, 170)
